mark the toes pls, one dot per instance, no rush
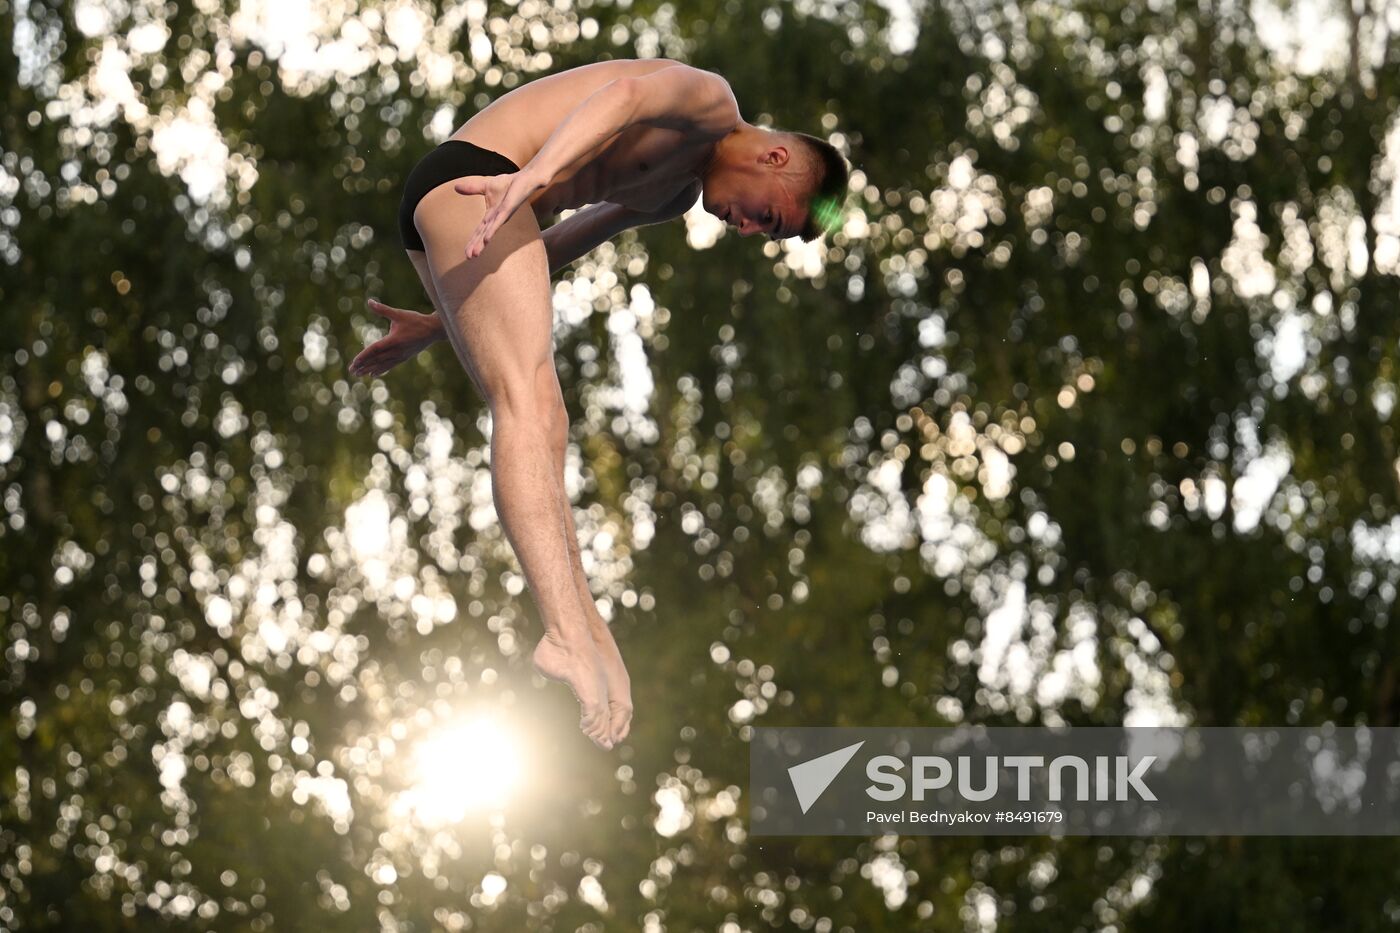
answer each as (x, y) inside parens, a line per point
(620, 723)
(595, 726)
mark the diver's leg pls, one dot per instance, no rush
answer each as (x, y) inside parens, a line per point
(619, 682)
(425, 275)
(499, 318)
(615, 671)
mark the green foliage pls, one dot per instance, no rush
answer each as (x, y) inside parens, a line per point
(1106, 347)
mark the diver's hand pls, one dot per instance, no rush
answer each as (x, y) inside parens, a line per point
(409, 333)
(504, 195)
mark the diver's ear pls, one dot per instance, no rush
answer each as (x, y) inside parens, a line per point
(776, 156)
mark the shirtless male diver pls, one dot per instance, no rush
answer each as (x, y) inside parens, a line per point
(638, 141)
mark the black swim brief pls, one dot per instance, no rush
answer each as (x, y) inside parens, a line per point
(451, 160)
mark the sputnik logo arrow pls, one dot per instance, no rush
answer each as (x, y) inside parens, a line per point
(811, 778)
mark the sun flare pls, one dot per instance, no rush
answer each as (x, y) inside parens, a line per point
(470, 766)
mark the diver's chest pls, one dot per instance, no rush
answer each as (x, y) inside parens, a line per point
(644, 170)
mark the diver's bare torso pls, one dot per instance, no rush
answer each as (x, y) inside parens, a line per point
(643, 168)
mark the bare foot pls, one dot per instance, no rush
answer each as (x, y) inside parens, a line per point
(619, 683)
(575, 662)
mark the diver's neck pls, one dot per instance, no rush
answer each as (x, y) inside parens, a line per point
(725, 147)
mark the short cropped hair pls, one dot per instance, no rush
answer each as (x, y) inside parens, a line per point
(829, 177)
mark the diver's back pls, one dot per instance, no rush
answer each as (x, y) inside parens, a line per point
(517, 124)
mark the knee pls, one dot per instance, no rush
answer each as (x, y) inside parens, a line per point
(533, 405)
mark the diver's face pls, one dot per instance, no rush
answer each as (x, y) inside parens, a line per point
(756, 205)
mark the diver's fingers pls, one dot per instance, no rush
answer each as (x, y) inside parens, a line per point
(471, 184)
(387, 311)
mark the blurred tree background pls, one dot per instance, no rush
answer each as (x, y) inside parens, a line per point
(1086, 416)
